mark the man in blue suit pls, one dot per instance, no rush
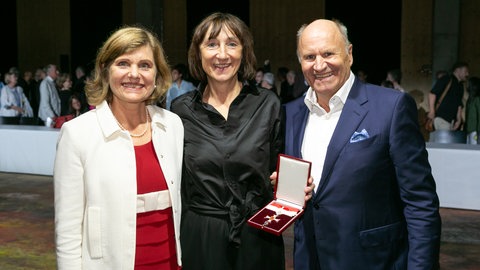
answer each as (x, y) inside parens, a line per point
(375, 204)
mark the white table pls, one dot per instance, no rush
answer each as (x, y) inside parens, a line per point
(456, 169)
(27, 149)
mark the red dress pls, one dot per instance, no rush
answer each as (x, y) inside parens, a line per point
(155, 247)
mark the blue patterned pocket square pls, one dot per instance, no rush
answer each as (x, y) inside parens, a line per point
(359, 136)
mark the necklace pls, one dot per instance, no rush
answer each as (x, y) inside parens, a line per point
(132, 134)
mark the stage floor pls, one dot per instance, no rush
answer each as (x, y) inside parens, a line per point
(27, 228)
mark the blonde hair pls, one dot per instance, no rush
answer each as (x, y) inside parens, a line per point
(124, 40)
(63, 77)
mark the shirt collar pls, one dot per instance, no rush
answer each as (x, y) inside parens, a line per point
(246, 89)
(109, 124)
(311, 99)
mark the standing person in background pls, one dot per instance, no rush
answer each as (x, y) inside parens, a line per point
(76, 108)
(418, 96)
(180, 84)
(387, 84)
(439, 74)
(286, 88)
(448, 115)
(118, 167)
(38, 77)
(375, 205)
(268, 82)
(362, 75)
(13, 102)
(258, 77)
(300, 86)
(64, 86)
(260, 71)
(281, 76)
(395, 77)
(26, 82)
(232, 139)
(49, 99)
(79, 84)
(472, 123)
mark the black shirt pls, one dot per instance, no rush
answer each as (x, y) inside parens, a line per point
(449, 106)
(227, 163)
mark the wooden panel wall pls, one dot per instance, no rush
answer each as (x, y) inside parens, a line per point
(274, 25)
(175, 35)
(469, 44)
(416, 47)
(43, 32)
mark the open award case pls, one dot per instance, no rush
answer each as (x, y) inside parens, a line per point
(289, 196)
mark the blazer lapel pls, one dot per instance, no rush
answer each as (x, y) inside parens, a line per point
(161, 144)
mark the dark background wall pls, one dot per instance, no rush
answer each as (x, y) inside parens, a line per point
(69, 33)
(375, 32)
(89, 27)
(9, 36)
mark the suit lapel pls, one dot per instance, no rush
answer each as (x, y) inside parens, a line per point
(352, 114)
(299, 123)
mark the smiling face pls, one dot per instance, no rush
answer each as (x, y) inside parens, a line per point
(221, 56)
(325, 58)
(132, 75)
(76, 105)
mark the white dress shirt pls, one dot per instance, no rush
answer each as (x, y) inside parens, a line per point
(320, 127)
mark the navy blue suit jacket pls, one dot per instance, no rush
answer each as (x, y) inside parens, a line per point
(376, 206)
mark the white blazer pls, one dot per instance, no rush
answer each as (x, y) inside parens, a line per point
(96, 190)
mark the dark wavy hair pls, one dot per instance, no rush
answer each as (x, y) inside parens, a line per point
(215, 23)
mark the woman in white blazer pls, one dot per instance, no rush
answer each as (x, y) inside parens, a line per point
(118, 167)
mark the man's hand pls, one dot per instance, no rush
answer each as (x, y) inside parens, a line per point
(309, 189)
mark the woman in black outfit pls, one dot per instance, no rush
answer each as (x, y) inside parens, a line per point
(232, 139)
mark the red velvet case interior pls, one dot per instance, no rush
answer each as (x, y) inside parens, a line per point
(279, 214)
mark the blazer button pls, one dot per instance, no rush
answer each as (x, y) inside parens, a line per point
(316, 206)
